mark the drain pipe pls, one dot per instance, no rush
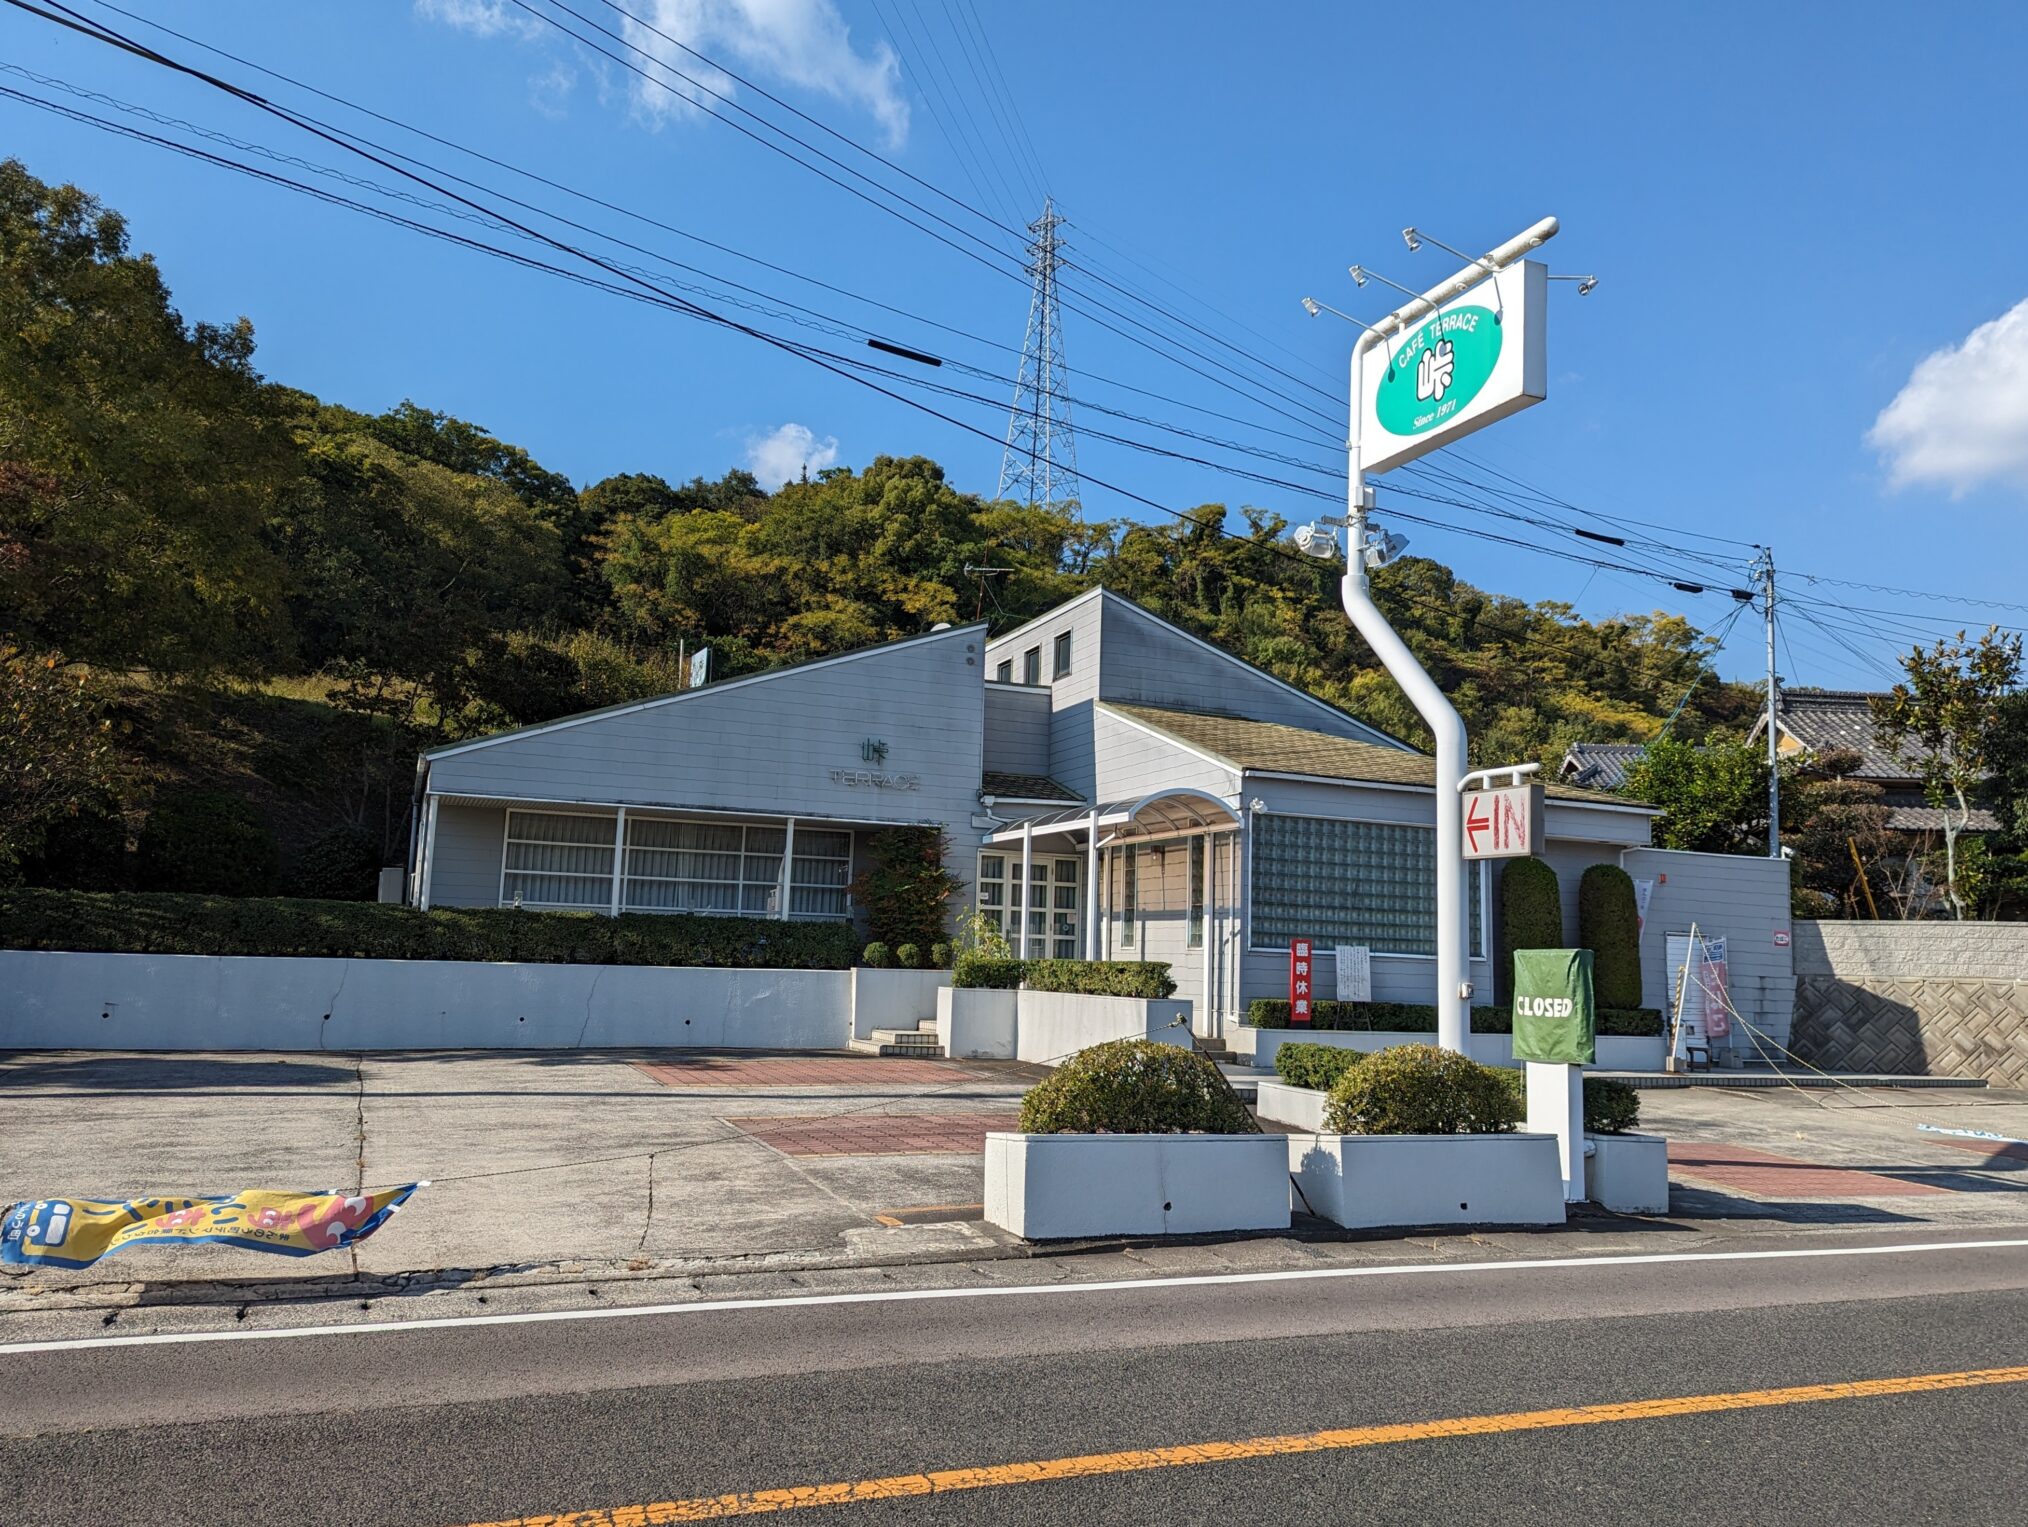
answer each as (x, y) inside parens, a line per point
(1453, 983)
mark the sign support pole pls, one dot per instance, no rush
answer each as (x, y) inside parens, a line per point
(1453, 985)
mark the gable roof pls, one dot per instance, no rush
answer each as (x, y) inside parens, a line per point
(1268, 747)
(1842, 719)
(1024, 787)
(1099, 593)
(723, 686)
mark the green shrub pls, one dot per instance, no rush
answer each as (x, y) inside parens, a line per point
(1136, 1087)
(1531, 915)
(1609, 925)
(1420, 1018)
(1101, 978)
(906, 889)
(1610, 1108)
(206, 841)
(877, 956)
(1422, 1090)
(342, 865)
(940, 957)
(1317, 1066)
(85, 852)
(908, 956)
(179, 924)
(985, 970)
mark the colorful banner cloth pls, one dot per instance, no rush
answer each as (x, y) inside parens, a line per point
(76, 1232)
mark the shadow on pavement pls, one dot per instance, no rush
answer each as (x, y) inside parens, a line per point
(1709, 1203)
(173, 1073)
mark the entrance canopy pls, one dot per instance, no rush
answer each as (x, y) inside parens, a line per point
(1164, 814)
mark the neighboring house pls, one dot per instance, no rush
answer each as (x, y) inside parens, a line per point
(1113, 787)
(1813, 721)
(1600, 765)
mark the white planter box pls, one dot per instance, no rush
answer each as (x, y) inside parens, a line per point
(1366, 1181)
(976, 1022)
(1616, 1052)
(1297, 1107)
(1048, 1187)
(1052, 1026)
(1628, 1173)
(894, 999)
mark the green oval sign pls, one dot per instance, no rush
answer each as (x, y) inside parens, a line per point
(1439, 370)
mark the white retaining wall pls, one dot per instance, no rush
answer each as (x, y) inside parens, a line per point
(51, 1000)
(894, 999)
(1051, 1026)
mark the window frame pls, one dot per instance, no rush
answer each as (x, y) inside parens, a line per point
(1480, 951)
(1193, 936)
(1031, 666)
(508, 840)
(1004, 673)
(1059, 656)
(1046, 871)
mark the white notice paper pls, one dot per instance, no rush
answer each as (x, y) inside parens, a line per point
(1355, 973)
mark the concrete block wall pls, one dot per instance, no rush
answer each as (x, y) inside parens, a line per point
(1918, 998)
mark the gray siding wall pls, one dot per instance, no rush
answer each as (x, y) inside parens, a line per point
(470, 842)
(1741, 898)
(1133, 762)
(1017, 729)
(768, 745)
(1071, 759)
(1149, 662)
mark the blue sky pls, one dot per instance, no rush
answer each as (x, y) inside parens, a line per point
(1810, 329)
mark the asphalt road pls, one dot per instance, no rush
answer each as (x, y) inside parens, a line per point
(498, 1421)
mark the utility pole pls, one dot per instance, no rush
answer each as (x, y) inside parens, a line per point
(1765, 567)
(1039, 464)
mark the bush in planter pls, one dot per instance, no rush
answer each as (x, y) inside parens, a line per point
(1422, 1090)
(1101, 978)
(1609, 925)
(1317, 1066)
(877, 956)
(986, 970)
(1136, 1087)
(1610, 1108)
(1420, 1018)
(908, 956)
(1531, 915)
(940, 957)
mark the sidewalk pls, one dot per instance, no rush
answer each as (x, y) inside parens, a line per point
(573, 1166)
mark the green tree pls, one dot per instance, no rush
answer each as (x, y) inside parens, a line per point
(57, 760)
(1713, 798)
(1948, 713)
(1829, 820)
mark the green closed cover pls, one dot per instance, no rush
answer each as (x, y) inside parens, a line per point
(1554, 1019)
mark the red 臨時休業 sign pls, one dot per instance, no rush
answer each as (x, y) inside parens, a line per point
(1301, 982)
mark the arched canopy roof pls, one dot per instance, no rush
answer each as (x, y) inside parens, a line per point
(1163, 814)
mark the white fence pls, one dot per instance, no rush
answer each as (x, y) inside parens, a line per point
(51, 1000)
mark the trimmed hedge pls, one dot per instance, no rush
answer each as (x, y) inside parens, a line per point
(1101, 978)
(1609, 925)
(1135, 1087)
(1531, 915)
(877, 956)
(206, 842)
(1610, 1108)
(1317, 1066)
(908, 956)
(1422, 1090)
(940, 957)
(182, 924)
(1091, 978)
(1420, 1018)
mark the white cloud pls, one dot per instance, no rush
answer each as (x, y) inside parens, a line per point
(488, 18)
(785, 454)
(802, 43)
(549, 91)
(1961, 419)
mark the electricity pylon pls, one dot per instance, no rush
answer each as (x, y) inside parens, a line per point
(1039, 464)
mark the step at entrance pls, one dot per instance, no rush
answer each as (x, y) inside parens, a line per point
(921, 1042)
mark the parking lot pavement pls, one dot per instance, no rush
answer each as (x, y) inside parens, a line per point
(594, 1159)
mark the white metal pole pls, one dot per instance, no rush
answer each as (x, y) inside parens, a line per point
(788, 879)
(429, 852)
(619, 857)
(1774, 777)
(1453, 988)
(1091, 890)
(1027, 885)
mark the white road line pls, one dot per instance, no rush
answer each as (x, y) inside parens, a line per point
(1011, 1291)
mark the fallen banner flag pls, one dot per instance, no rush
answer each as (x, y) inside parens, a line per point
(76, 1232)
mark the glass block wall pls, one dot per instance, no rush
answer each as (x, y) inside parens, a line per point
(1338, 882)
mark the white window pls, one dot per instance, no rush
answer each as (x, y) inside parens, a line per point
(1338, 882)
(733, 869)
(1031, 666)
(1130, 896)
(1061, 662)
(554, 860)
(1196, 934)
(1055, 896)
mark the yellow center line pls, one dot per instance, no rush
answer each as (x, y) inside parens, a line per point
(991, 1476)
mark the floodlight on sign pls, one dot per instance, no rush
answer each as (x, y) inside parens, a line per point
(1317, 541)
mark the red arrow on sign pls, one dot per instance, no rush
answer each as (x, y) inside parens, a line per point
(1476, 822)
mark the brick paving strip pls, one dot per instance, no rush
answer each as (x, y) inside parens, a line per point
(888, 1134)
(1771, 1176)
(801, 1071)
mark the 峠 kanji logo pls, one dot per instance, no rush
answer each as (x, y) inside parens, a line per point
(1433, 372)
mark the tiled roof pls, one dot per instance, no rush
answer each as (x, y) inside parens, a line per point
(1270, 746)
(1600, 765)
(1823, 719)
(1931, 819)
(1025, 787)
